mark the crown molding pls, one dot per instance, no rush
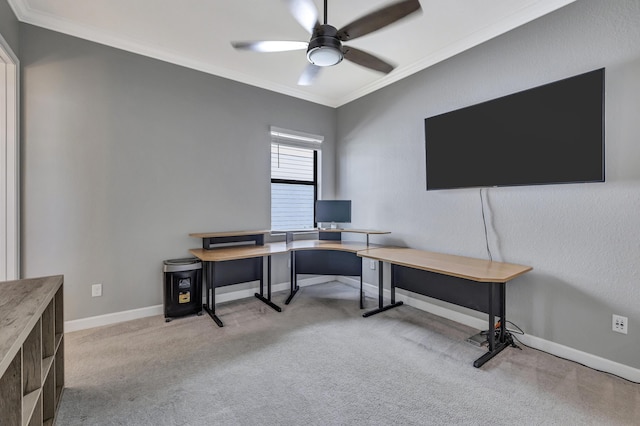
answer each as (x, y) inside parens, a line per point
(27, 14)
(517, 19)
(20, 8)
(30, 16)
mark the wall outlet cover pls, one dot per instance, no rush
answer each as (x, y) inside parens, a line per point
(96, 290)
(619, 324)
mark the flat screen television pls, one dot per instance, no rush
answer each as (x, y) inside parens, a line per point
(333, 211)
(546, 135)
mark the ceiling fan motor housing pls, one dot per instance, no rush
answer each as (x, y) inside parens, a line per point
(325, 49)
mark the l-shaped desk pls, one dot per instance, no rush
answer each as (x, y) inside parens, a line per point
(473, 283)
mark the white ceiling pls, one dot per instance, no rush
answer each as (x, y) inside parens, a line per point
(197, 34)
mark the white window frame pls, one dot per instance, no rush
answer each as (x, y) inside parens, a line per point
(9, 164)
(294, 138)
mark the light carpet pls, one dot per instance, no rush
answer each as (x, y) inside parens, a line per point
(319, 362)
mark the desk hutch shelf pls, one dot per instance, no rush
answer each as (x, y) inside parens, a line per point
(31, 350)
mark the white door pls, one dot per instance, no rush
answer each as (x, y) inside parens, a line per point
(9, 172)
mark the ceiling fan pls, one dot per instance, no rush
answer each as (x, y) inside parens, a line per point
(325, 48)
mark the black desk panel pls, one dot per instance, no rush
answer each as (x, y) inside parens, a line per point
(459, 291)
(237, 271)
(327, 262)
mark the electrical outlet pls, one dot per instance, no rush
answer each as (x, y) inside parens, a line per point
(619, 324)
(96, 290)
(372, 264)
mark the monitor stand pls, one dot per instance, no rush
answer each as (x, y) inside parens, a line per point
(333, 226)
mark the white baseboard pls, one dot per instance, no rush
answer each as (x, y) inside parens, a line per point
(116, 317)
(100, 320)
(553, 348)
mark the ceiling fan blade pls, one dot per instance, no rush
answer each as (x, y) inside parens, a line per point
(367, 60)
(309, 75)
(378, 19)
(269, 46)
(305, 12)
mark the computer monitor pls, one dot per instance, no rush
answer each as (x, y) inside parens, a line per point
(333, 211)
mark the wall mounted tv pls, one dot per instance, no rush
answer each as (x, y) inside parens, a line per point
(546, 135)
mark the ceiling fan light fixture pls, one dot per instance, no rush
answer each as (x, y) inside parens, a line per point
(325, 48)
(324, 56)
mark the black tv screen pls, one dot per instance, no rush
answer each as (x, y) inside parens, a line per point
(546, 135)
(335, 211)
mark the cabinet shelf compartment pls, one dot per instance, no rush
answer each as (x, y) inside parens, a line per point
(59, 366)
(49, 396)
(32, 408)
(48, 337)
(46, 365)
(59, 312)
(32, 360)
(11, 391)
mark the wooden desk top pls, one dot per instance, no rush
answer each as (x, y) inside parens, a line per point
(350, 246)
(238, 252)
(248, 251)
(458, 266)
(22, 302)
(354, 231)
(227, 234)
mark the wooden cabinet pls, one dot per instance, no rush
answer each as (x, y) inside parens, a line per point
(31, 350)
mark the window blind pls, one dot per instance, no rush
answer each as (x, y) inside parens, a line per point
(295, 138)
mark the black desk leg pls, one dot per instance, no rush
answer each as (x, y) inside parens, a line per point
(393, 304)
(260, 296)
(207, 284)
(504, 339)
(262, 277)
(380, 284)
(268, 277)
(361, 292)
(210, 307)
(504, 334)
(294, 279)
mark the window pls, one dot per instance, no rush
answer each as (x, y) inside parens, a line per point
(294, 179)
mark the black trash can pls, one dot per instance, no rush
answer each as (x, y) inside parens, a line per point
(182, 287)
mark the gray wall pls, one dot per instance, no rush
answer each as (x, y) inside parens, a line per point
(581, 239)
(9, 26)
(123, 156)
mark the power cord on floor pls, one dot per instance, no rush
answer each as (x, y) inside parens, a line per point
(508, 335)
(511, 335)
